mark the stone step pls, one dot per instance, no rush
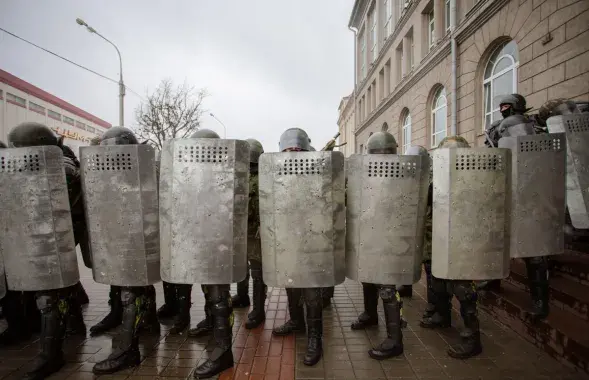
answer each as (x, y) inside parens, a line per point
(563, 335)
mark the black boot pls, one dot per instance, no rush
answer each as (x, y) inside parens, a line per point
(13, 309)
(182, 319)
(471, 337)
(430, 309)
(53, 318)
(406, 291)
(80, 294)
(114, 317)
(490, 286)
(150, 323)
(258, 314)
(222, 357)
(168, 309)
(313, 298)
(205, 326)
(296, 323)
(75, 318)
(442, 316)
(32, 313)
(369, 316)
(242, 298)
(125, 346)
(327, 296)
(537, 268)
(393, 345)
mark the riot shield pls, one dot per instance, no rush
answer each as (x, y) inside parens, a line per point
(471, 218)
(576, 129)
(538, 167)
(303, 218)
(385, 216)
(121, 204)
(2, 278)
(204, 191)
(36, 233)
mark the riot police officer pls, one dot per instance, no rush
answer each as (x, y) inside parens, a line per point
(137, 302)
(55, 305)
(297, 140)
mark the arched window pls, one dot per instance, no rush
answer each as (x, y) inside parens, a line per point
(406, 132)
(500, 79)
(385, 127)
(439, 117)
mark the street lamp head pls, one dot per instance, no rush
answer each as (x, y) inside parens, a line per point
(91, 29)
(81, 22)
(211, 114)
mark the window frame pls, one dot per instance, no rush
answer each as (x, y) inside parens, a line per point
(68, 120)
(388, 17)
(37, 108)
(373, 35)
(49, 114)
(431, 29)
(447, 15)
(441, 92)
(362, 54)
(406, 127)
(16, 100)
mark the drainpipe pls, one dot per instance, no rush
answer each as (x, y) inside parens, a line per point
(355, 31)
(454, 53)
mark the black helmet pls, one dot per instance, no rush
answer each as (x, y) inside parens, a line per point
(381, 143)
(205, 134)
(295, 138)
(516, 102)
(2, 145)
(118, 136)
(32, 134)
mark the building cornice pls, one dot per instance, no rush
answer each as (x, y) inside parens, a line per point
(358, 9)
(479, 14)
(434, 57)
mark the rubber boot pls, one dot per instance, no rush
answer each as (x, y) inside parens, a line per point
(393, 344)
(242, 298)
(14, 313)
(32, 313)
(296, 323)
(327, 296)
(75, 318)
(313, 298)
(442, 316)
(222, 357)
(81, 295)
(53, 310)
(168, 309)
(430, 308)
(258, 315)
(114, 318)
(470, 336)
(406, 291)
(369, 316)
(537, 268)
(182, 319)
(149, 321)
(125, 347)
(205, 326)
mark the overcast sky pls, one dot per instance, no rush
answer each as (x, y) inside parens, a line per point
(268, 64)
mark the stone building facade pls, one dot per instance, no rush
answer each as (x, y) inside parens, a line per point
(404, 64)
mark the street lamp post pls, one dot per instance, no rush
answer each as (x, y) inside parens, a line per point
(121, 84)
(220, 122)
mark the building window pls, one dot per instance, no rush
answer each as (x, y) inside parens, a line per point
(80, 125)
(373, 36)
(53, 115)
(439, 117)
(448, 15)
(68, 120)
(36, 108)
(406, 132)
(388, 16)
(431, 29)
(16, 100)
(1, 95)
(500, 79)
(90, 129)
(385, 127)
(362, 55)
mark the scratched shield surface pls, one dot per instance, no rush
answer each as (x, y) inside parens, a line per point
(302, 215)
(37, 239)
(204, 192)
(121, 204)
(576, 129)
(471, 217)
(538, 172)
(385, 217)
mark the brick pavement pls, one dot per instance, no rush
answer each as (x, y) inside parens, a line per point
(259, 356)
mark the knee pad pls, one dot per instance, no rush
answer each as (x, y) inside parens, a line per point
(46, 301)
(388, 293)
(128, 296)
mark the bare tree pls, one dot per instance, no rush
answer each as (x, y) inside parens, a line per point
(169, 112)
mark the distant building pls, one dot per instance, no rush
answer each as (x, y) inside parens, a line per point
(20, 101)
(403, 63)
(346, 125)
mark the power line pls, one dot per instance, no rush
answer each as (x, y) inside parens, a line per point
(70, 61)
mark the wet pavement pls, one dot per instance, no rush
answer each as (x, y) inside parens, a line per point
(260, 356)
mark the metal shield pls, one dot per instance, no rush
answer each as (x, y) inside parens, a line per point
(385, 216)
(121, 204)
(204, 192)
(303, 218)
(36, 233)
(471, 218)
(2, 278)
(576, 129)
(538, 167)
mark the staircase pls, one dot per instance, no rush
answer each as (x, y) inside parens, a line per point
(565, 333)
